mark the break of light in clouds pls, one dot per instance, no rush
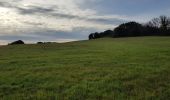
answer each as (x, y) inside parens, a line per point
(69, 20)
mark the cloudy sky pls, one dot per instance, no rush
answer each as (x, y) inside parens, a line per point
(69, 20)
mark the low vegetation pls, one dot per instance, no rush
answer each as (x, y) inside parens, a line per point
(103, 69)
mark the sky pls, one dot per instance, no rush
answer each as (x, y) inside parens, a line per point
(71, 20)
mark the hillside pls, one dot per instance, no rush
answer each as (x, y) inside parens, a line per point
(136, 68)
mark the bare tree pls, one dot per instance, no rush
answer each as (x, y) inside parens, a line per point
(169, 23)
(164, 21)
(154, 23)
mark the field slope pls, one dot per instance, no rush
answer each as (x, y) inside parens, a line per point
(105, 69)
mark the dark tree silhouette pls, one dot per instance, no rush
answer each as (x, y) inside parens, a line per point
(156, 27)
(160, 26)
(91, 36)
(155, 23)
(96, 35)
(39, 42)
(107, 33)
(17, 42)
(128, 29)
(164, 21)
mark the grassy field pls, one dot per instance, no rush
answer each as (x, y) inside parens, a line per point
(105, 69)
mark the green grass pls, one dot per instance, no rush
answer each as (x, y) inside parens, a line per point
(105, 69)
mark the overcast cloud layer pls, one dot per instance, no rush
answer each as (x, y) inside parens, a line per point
(69, 20)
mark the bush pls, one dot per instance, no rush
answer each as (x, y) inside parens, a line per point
(17, 42)
(40, 43)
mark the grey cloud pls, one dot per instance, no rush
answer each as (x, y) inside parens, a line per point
(32, 23)
(34, 10)
(52, 11)
(28, 9)
(5, 4)
(51, 35)
(79, 33)
(114, 21)
(48, 36)
(76, 33)
(15, 37)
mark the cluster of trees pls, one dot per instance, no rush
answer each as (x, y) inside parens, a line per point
(156, 27)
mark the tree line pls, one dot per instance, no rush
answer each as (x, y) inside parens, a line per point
(156, 27)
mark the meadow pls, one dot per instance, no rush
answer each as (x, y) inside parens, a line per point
(136, 68)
